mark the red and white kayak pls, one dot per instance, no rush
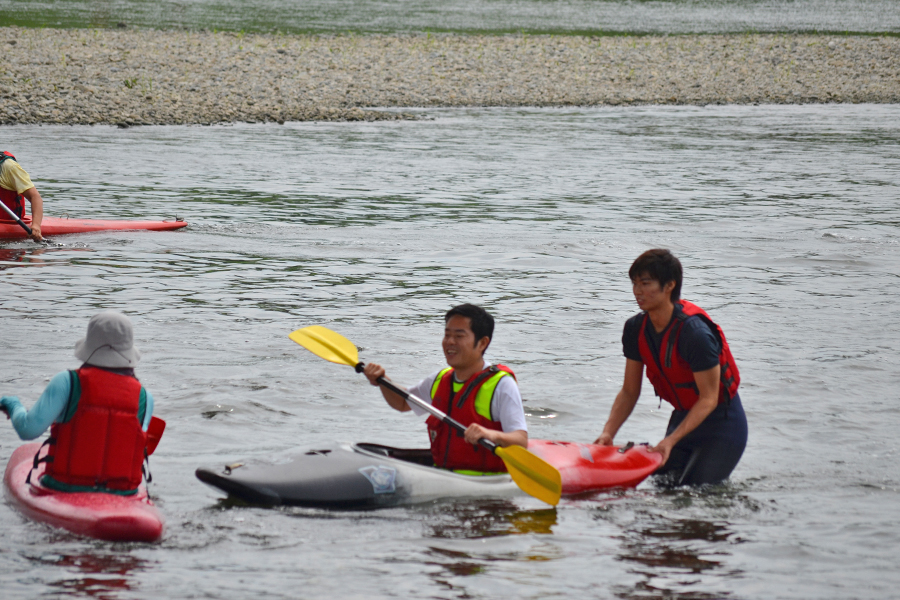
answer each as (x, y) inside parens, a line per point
(52, 226)
(346, 475)
(94, 514)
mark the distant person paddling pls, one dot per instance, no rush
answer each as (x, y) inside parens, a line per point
(690, 365)
(98, 414)
(15, 188)
(483, 397)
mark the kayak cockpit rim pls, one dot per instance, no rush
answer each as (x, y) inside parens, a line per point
(416, 457)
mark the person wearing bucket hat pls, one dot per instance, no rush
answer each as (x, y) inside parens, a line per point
(109, 343)
(88, 410)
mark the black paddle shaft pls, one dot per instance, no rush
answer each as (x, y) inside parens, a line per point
(429, 408)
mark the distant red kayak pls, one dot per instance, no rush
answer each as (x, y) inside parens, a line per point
(51, 226)
(588, 467)
(94, 514)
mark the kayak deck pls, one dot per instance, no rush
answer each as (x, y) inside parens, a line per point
(93, 514)
(51, 226)
(588, 468)
(358, 475)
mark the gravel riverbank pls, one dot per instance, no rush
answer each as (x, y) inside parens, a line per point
(134, 77)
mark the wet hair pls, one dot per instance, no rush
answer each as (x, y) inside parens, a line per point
(659, 265)
(481, 321)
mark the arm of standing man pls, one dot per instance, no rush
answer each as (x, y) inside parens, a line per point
(37, 212)
(624, 403)
(708, 384)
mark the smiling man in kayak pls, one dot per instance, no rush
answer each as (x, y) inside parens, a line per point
(483, 397)
(15, 188)
(690, 365)
(97, 415)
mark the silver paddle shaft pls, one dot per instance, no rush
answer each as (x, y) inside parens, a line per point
(16, 218)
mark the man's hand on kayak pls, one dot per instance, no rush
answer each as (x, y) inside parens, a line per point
(36, 233)
(605, 439)
(664, 448)
(373, 372)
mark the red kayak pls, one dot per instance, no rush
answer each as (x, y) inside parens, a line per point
(94, 514)
(588, 467)
(51, 226)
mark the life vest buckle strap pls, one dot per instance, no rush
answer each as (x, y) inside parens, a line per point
(670, 345)
(38, 459)
(145, 467)
(691, 385)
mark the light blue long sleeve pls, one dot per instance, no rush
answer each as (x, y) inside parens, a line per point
(50, 407)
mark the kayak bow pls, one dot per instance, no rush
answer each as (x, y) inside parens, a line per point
(94, 514)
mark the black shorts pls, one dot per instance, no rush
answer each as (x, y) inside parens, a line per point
(710, 452)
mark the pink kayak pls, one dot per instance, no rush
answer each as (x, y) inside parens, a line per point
(51, 226)
(94, 514)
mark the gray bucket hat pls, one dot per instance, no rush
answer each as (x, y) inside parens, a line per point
(109, 342)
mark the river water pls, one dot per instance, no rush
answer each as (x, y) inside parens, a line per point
(785, 218)
(490, 16)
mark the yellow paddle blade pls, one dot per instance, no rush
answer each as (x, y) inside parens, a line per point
(535, 476)
(327, 344)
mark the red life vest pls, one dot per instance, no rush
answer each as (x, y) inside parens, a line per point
(102, 445)
(671, 375)
(11, 198)
(449, 448)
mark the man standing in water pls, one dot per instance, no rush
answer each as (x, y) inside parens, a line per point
(690, 365)
(483, 397)
(15, 188)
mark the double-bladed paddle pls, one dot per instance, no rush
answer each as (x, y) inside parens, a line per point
(532, 474)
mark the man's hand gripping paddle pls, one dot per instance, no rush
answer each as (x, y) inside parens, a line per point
(533, 475)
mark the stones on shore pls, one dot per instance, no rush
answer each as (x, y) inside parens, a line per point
(140, 77)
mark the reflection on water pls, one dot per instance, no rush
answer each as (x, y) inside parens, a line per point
(35, 257)
(93, 575)
(10, 258)
(454, 563)
(486, 518)
(670, 554)
(673, 550)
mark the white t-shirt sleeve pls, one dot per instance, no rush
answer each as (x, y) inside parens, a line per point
(507, 406)
(422, 390)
